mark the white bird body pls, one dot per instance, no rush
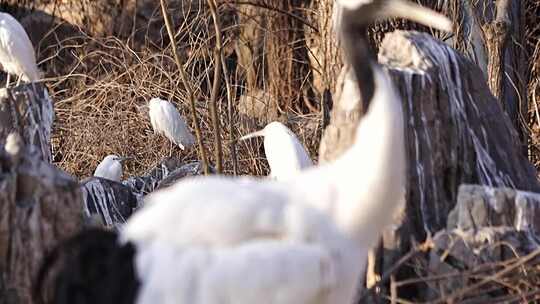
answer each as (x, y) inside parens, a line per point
(285, 153)
(166, 120)
(110, 168)
(250, 240)
(17, 55)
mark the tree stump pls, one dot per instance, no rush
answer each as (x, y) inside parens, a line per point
(28, 110)
(39, 206)
(456, 132)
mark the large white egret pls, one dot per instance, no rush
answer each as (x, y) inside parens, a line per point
(166, 120)
(285, 153)
(17, 55)
(110, 167)
(220, 239)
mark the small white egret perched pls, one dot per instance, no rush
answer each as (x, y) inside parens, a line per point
(110, 167)
(17, 55)
(285, 153)
(166, 120)
(218, 239)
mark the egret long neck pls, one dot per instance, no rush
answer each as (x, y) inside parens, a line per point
(370, 177)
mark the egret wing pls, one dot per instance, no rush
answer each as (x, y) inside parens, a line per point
(175, 126)
(188, 213)
(221, 212)
(17, 51)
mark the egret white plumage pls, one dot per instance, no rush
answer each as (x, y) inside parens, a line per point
(110, 167)
(221, 239)
(166, 120)
(285, 153)
(17, 55)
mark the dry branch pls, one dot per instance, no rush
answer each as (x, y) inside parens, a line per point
(186, 84)
(215, 88)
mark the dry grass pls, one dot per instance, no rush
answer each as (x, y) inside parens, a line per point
(105, 83)
(514, 279)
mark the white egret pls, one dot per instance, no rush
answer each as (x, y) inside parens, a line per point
(285, 153)
(110, 167)
(17, 55)
(220, 239)
(166, 120)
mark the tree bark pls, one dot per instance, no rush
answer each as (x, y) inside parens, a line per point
(456, 133)
(39, 204)
(497, 34)
(28, 110)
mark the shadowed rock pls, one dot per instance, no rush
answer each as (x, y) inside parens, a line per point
(191, 169)
(113, 201)
(147, 183)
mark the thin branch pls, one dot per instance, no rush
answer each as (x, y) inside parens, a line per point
(276, 9)
(461, 293)
(215, 89)
(187, 86)
(230, 115)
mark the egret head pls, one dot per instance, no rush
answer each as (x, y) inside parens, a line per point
(274, 127)
(111, 167)
(155, 101)
(367, 11)
(351, 21)
(115, 158)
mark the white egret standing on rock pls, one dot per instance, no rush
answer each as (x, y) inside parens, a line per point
(111, 167)
(166, 120)
(220, 239)
(17, 55)
(285, 153)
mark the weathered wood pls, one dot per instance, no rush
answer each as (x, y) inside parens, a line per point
(456, 133)
(482, 206)
(28, 110)
(496, 34)
(493, 35)
(148, 182)
(111, 200)
(190, 169)
(39, 206)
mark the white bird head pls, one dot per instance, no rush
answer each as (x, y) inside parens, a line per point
(285, 153)
(367, 11)
(274, 127)
(111, 167)
(351, 21)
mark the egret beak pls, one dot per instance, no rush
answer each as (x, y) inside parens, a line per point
(417, 13)
(123, 159)
(251, 135)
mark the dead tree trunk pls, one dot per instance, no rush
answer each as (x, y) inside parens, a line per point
(39, 204)
(456, 133)
(28, 110)
(493, 35)
(496, 34)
